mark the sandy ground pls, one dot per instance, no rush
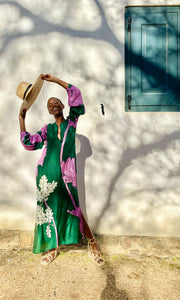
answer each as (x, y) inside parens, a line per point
(73, 276)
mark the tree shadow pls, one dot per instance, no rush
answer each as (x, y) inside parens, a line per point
(103, 33)
(81, 156)
(42, 26)
(111, 291)
(126, 159)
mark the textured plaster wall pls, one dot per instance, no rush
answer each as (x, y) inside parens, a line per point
(128, 163)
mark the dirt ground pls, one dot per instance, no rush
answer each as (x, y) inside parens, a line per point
(73, 276)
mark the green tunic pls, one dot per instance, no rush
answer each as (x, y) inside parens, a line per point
(58, 216)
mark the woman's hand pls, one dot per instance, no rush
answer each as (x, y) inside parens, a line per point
(49, 77)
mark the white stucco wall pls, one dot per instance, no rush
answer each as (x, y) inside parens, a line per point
(128, 163)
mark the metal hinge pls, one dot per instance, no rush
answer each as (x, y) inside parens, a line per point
(129, 102)
(129, 24)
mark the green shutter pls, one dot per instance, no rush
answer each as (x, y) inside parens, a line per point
(152, 58)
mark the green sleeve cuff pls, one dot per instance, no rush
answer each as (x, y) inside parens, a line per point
(70, 85)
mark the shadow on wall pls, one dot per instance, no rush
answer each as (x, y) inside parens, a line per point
(129, 155)
(116, 129)
(41, 26)
(85, 152)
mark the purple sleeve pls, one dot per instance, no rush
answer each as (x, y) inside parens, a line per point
(36, 141)
(74, 96)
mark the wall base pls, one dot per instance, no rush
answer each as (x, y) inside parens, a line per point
(122, 245)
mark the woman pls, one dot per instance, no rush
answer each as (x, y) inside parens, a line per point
(58, 218)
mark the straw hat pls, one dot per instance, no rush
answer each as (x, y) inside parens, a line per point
(29, 92)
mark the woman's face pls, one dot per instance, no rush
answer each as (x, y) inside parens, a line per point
(55, 107)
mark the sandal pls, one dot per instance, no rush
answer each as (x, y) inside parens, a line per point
(49, 257)
(94, 254)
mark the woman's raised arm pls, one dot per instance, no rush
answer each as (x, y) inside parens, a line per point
(49, 77)
(22, 121)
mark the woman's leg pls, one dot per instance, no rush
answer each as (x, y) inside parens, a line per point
(92, 244)
(87, 231)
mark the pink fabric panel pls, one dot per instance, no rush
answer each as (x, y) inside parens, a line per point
(36, 171)
(69, 176)
(22, 135)
(74, 96)
(35, 138)
(77, 213)
(41, 160)
(28, 147)
(44, 132)
(38, 138)
(69, 171)
(71, 123)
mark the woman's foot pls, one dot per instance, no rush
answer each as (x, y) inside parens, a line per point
(94, 252)
(49, 257)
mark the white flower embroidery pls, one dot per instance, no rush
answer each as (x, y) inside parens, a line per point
(46, 188)
(48, 231)
(49, 215)
(45, 216)
(40, 215)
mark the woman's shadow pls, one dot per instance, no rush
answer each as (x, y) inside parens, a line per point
(84, 152)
